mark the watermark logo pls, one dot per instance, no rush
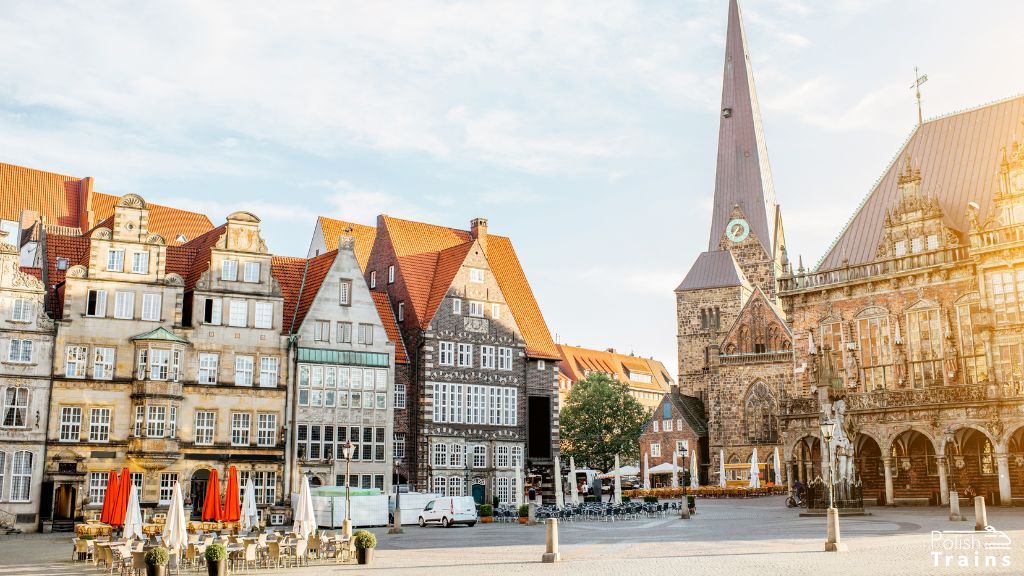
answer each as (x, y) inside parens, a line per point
(988, 548)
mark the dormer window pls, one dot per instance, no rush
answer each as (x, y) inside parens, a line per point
(373, 279)
(115, 260)
(345, 293)
(476, 275)
(901, 248)
(229, 270)
(391, 274)
(62, 263)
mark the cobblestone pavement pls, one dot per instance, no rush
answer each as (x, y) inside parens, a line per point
(726, 537)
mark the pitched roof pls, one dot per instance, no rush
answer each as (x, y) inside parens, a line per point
(958, 156)
(387, 316)
(743, 175)
(714, 269)
(363, 234)
(289, 272)
(191, 259)
(163, 220)
(692, 410)
(313, 277)
(74, 248)
(576, 361)
(429, 256)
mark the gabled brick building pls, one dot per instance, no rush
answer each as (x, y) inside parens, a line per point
(677, 425)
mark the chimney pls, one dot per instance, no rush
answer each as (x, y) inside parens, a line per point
(674, 389)
(478, 229)
(610, 350)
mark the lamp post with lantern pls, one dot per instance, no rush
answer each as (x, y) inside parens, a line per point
(346, 524)
(832, 541)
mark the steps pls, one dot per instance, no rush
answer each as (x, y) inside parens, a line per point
(63, 525)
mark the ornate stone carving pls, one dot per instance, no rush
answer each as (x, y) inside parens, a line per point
(132, 201)
(77, 271)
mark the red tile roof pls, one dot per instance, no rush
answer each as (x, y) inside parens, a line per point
(191, 259)
(37, 272)
(363, 234)
(163, 220)
(289, 271)
(316, 270)
(430, 255)
(76, 250)
(387, 316)
(575, 361)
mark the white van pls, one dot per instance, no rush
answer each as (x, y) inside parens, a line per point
(449, 511)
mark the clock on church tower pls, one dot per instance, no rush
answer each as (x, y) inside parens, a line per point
(737, 230)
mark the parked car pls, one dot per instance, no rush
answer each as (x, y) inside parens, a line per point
(449, 511)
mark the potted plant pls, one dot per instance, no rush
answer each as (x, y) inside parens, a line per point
(495, 501)
(486, 513)
(524, 513)
(364, 542)
(216, 560)
(156, 561)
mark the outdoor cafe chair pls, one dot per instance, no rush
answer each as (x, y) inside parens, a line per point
(138, 562)
(274, 553)
(300, 555)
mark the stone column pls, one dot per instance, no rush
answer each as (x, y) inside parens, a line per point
(890, 497)
(1005, 493)
(801, 471)
(789, 476)
(940, 462)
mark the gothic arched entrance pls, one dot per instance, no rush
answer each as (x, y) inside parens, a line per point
(807, 459)
(870, 469)
(915, 468)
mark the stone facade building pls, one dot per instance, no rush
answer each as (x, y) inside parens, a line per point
(26, 348)
(647, 378)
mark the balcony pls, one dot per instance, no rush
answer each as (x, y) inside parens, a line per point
(872, 270)
(997, 237)
(157, 389)
(158, 452)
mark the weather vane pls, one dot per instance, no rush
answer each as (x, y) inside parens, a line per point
(916, 86)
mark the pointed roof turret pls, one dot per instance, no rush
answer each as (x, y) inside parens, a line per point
(743, 177)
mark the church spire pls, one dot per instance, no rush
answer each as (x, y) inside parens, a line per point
(744, 177)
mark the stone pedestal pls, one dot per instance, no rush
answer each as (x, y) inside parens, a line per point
(890, 492)
(833, 542)
(1005, 492)
(531, 518)
(396, 526)
(551, 553)
(346, 528)
(954, 507)
(980, 514)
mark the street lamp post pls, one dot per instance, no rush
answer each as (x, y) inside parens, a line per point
(832, 541)
(954, 494)
(346, 524)
(828, 428)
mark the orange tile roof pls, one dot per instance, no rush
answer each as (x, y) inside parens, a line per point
(430, 255)
(76, 250)
(363, 234)
(54, 196)
(313, 278)
(191, 259)
(288, 271)
(163, 220)
(387, 316)
(576, 360)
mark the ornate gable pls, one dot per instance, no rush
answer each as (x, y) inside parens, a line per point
(759, 329)
(915, 224)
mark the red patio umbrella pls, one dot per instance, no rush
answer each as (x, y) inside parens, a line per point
(232, 509)
(211, 503)
(120, 505)
(108, 497)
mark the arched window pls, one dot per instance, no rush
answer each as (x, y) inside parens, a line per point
(760, 415)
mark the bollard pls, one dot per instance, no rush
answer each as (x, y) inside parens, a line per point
(531, 517)
(551, 555)
(833, 543)
(980, 514)
(954, 506)
(346, 529)
(396, 527)
(684, 514)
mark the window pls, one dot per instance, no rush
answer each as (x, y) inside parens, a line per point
(124, 305)
(440, 454)
(682, 447)
(97, 487)
(366, 333)
(901, 248)
(140, 419)
(504, 358)
(832, 337)
(268, 371)
(471, 404)
(252, 272)
(103, 363)
(1006, 295)
(391, 274)
(487, 357)
(496, 311)
(373, 279)
(447, 353)
(972, 350)
(457, 306)
(876, 354)
(760, 415)
(96, 303)
(70, 424)
(401, 311)
(456, 453)
(212, 311)
(501, 457)
(666, 425)
(321, 331)
(656, 426)
(344, 332)
(441, 485)
(924, 337)
(503, 490)
(75, 360)
(167, 482)
(155, 416)
(264, 315)
(399, 396)
(378, 444)
(479, 456)
(399, 445)
(115, 260)
(916, 245)
(476, 275)
(476, 309)
(151, 307)
(208, 368)
(465, 355)
(238, 313)
(933, 242)
(15, 409)
(541, 365)
(140, 262)
(240, 428)
(345, 293)
(456, 486)
(159, 363)
(266, 430)
(19, 351)
(99, 424)
(517, 456)
(243, 370)
(655, 450)
(21, 310)
(205, 426)
(229, 270)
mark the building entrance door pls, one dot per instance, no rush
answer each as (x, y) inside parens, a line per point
(64, 502)
(197, 492)
(478, 493)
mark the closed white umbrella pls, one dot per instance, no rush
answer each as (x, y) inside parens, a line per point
(133, 516)
(675, 469)
(721, 468)
(559, 497)
(305, 516)
(250, 517)
(778, 467)
(176, 527)
(755, 482)
(647, 472)
(519, 486)
(618, 482)
(694, 470)
(573, 494)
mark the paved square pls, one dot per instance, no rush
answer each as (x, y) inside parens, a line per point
(725, 537)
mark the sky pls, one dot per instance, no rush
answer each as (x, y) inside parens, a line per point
(586, 131)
